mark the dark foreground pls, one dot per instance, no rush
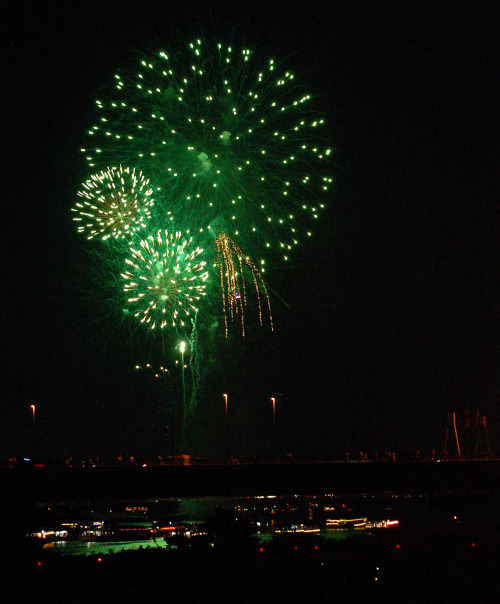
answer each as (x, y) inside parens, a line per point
(446, 548)
(403, 567)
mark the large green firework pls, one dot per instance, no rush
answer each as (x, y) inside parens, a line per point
(165, 280)
(233, 144)
(115, 203)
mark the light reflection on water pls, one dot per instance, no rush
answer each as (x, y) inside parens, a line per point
(90, 548)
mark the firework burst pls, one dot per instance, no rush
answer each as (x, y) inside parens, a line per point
(234, 142)
(115, 203)
(165, 280)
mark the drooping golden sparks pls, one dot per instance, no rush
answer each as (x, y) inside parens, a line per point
(233, 263)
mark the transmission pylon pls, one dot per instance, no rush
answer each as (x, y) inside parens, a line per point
(478, 431)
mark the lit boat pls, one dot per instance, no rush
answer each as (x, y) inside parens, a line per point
(346, 523)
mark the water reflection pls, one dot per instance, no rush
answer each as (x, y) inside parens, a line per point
(113, 526)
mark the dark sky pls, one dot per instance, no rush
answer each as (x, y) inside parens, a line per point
(391, 314)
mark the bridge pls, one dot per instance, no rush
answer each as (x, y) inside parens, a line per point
(57, 483)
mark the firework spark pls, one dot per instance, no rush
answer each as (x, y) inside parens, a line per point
(232, 263)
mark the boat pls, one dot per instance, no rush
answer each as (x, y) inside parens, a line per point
(346, 523)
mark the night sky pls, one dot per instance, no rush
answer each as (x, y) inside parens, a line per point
(385, 320)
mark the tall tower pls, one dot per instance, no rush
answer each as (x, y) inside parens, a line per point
(475, 425)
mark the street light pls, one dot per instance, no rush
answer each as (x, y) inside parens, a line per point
(225, 398)
(273, 400)
(33, 407)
